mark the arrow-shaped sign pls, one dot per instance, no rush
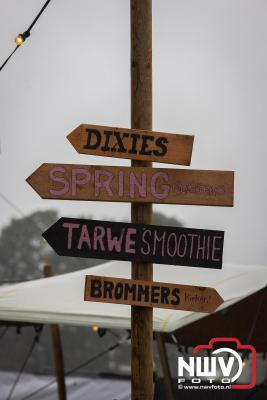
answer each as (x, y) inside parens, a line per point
(133, 184)
(136, 242)
(135, 144)
(151, 294)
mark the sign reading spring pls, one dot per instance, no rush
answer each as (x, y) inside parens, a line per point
(133, 184)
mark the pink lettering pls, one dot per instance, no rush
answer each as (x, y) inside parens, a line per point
(129, 242)
(208, 248)
(55, 178)
(214, 248)
(114, 242)
(192, 235)
(84, 238)
(174, 246)
(75, 181)
(182, 236)
(70, 227)
(99, 233)
(146, 232)
(121, 180)
(159, 239)
(165, 188)
(105, 184)
(201, 248)
(133, 182)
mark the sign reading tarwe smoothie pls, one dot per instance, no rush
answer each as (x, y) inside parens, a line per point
(133, 184)
(151, 294)
(136, 242)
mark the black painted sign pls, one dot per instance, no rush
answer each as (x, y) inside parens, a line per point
(136, 242)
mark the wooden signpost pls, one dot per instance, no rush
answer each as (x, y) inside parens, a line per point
(135, 144)
(136, 242)
(141, 185)
(141, 118)
(151, 294)
(133, 184)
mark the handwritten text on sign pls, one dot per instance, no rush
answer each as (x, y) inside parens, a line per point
(129, 184)
(132, 143)
(151, 294)
(136, 242)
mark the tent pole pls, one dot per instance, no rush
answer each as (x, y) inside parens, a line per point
(165, 366)
(57, 349)
(141, 118)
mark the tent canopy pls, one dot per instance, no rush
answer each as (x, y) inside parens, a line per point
(245, 320)
(60, 299)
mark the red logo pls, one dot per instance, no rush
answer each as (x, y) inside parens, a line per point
(240, 347)
(200, 369)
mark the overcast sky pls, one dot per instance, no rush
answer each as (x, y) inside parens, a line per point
(209, 79)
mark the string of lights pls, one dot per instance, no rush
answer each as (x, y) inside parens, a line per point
(179, 347)
(21, 38)
(38, 331)
(4, 331)
(18, 210)
(28, 355)
(12, 205)
(84, 364)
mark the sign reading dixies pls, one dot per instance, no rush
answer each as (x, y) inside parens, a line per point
(133, 184)
(131, 143)
(136, 242)
(151, 294)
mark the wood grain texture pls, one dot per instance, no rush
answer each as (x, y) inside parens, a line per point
(146, 293)
(134, 184)
(134, 144)
(141, 118)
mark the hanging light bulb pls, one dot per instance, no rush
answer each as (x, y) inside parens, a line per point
(95, 328)
(20, 39)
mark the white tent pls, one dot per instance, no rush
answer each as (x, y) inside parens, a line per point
(60, 299)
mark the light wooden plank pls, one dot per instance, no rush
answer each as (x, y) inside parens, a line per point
(134, 144)
(133, 184)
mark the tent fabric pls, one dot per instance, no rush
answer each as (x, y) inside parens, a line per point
(59, 299)
(77, 387)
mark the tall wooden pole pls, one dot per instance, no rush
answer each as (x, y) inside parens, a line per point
(57, 349)
(141, 118)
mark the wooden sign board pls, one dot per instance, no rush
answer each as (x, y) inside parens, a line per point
(136, 242)
(133, 184)
(151, 294)
(132, 143)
